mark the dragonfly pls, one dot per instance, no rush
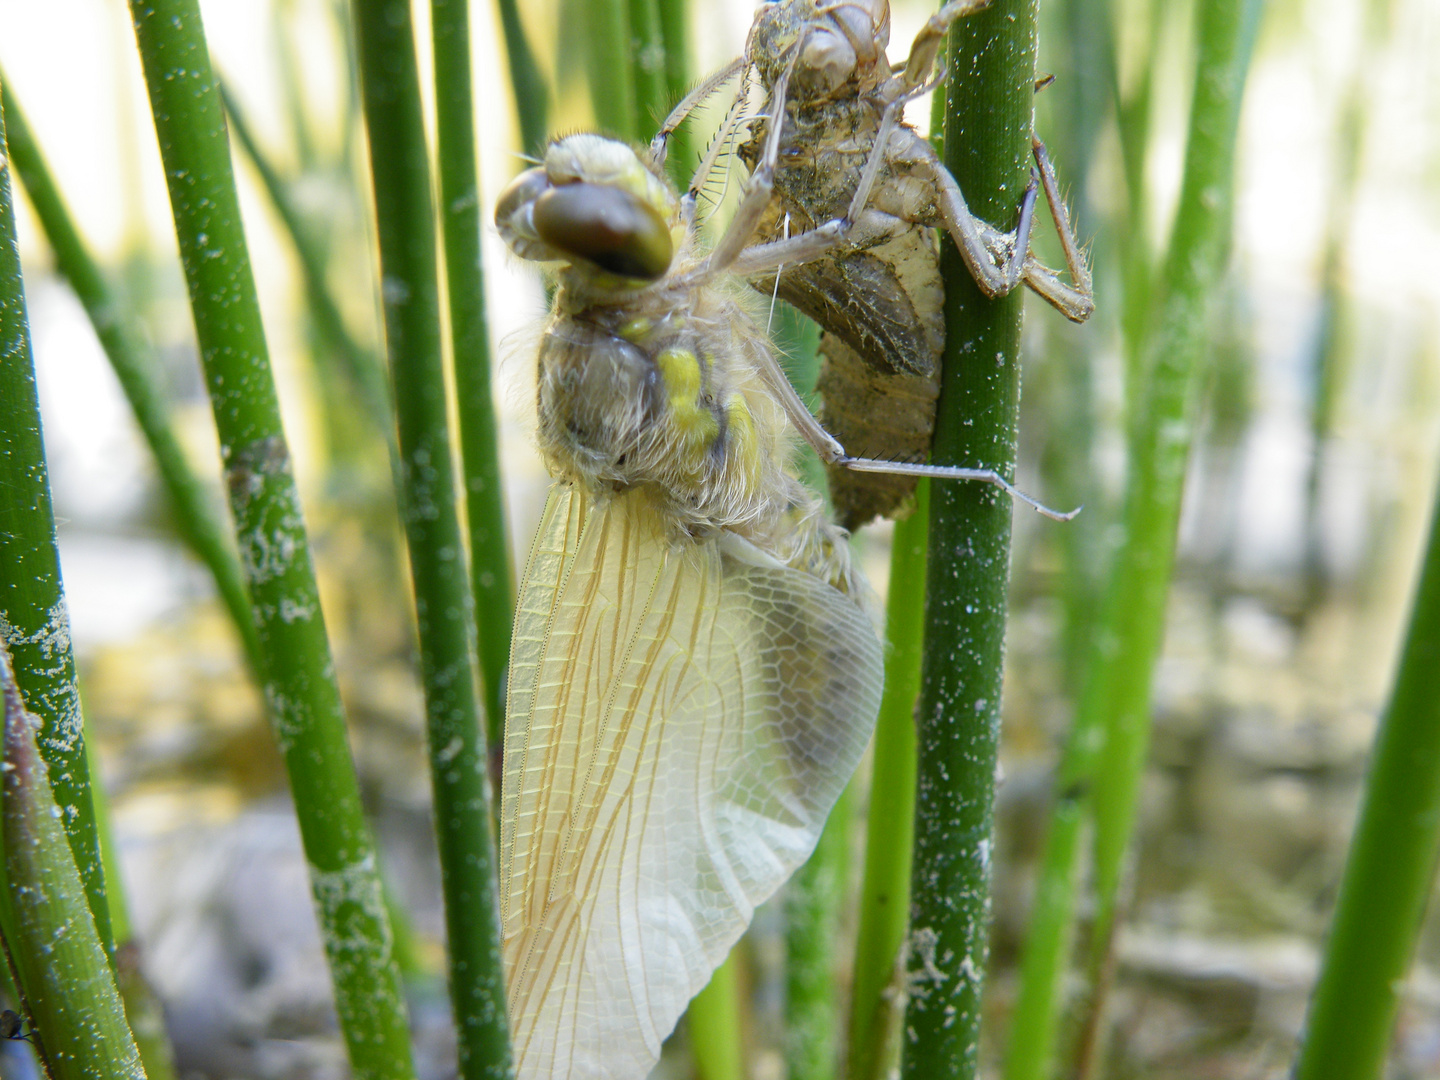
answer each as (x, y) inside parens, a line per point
(845, 154)
(694, 672)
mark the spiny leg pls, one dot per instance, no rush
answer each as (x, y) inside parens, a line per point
(1076, 301)
(979, 243)
(926, 46)
(833, 453)
(757, 196)
(660, 144)
(817, 241)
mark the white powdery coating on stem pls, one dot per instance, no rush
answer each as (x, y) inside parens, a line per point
(357, 884)
(355, 927)
(62, 698)
(268, 553)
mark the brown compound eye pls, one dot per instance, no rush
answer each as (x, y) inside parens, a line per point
(525, 188)
(606, 226)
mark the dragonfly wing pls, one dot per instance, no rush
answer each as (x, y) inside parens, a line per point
(682, 718)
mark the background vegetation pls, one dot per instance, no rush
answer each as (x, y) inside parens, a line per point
(1193, 669)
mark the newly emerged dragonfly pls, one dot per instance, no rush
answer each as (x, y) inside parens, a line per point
(694, 673)
(846, 154)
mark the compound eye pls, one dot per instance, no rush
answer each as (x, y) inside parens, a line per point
(606, 226)
(525, 188)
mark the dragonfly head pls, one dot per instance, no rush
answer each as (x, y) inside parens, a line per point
(593, 204)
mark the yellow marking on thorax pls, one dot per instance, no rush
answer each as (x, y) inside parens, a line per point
(695, 426)
(744, 440)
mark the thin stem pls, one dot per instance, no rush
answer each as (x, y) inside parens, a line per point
(34, 622)
(814, 903)
(61, 967)
(647, 59)
(200, 524)
(359, 365)
(300, 684)
(876, 1000)
(1390, 871)
(491, 562)
(1115, 701)
(987, 139)
(611, 72)
(532, 96)
(675, 30)
(713, 1023)
(460, 782)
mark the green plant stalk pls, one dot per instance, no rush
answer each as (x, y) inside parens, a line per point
(1133, 124)
(143, 1010)
(359, 366)
(144, 1013)
(611, 74)
(675, 30)
(200, 525)
(34, 622)
(1114, 706)
(532, 97)
(796, 339)
(460, 781)
(290, 66)
(814, 904)
(713, 1024)
(648, 52)
(987, 141)
(1033, 1025)
(1390, 870)
(300, 689)
(1078, 109)
(492, 572)
(1199, 246)
(875, 999)
(815, 897)
(61, 967)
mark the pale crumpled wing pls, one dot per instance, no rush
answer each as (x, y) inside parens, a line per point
(681, 720)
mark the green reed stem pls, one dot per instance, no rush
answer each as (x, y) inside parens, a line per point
(815, 897)
(460, 782)
(1198, 251)
(876, 998)
(647, 52)
(34, 622)
(1390, 871)
(61, 967)
(987, 145)
(1137, 264)
(300, 687)
(359, 366)
(199, 522)
(814, 906)
(532, 96)
(611, 73)
(492, 572)
(143, 1010)
(682, 157)
(713, 1024)
(1124, 641)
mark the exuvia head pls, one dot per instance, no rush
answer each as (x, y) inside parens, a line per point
(837, 42)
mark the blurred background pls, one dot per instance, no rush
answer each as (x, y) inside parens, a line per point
(1307, 499)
